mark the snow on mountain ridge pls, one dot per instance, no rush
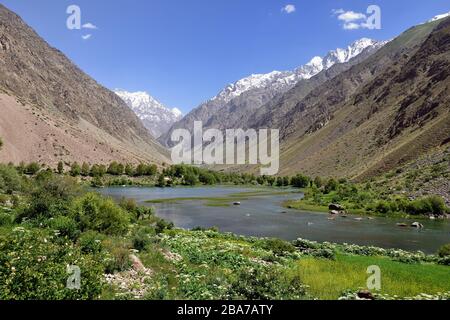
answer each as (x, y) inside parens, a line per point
(440, 16)
(156, 117)
(283, 80)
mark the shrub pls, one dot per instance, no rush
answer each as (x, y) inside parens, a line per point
(33, 266)
(324, 254)
(60, 168)
(118, 255)
(265, 284)
(75, 169)
(66, 226)
(5, 219)
(91, 242)
(94, 212)
(300, 181)
(10, 179)
(162, 225)
(277, 246)
(32, 168)
(444, 251)
(141, 238)
(50, 197)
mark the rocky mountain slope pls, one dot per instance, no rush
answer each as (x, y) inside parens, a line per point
(377, 115)
(156, 117)
(50, 100)
(235, 104)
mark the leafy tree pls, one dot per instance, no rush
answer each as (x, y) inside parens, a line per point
(332, 185)
(161, 181)
(190, 179)
(300, 181)
(280, 182)
(129, 170)
(141, 170)
(93, 212)
(115, 169)
(60, 168)
(318, 182)
(75, 169)
(9, 179)
(286, 181)
(85, 169)
(98, 170)
(207, 178)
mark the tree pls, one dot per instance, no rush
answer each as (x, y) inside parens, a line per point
(141, 170)
(85, 169)
(60, 167)
(75, 169)
(279, 182)
(129, 170)
(286, 181)
(190, 179)
(332, 185)
(161, 181)
(207, 178)
(318, 182)
(300, 181)
(98, 170)
(115, 169)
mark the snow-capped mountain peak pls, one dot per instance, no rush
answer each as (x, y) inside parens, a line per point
(440, 16)
(282, 81)
(156, 117)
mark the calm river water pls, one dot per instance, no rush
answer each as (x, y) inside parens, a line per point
(264, 216)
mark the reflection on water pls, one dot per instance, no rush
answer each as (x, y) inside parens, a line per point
(263, 216)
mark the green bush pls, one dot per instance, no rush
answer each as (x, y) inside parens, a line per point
(10, 179)
(91, 242)
(103, 215)
(444, 251)
(300, 181)
(50, 197)
(66, 226)
(141, 238)
(265, 284)
(118, 255)
(5, 219)
(32, 168)
(277, 246)
(33, 266)
(162, 225)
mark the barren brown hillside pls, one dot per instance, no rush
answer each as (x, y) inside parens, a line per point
(45, 95)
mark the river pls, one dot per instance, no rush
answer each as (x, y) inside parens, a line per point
(263, 216)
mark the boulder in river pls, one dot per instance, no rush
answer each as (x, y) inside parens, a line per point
(417, 225)
(335, 206)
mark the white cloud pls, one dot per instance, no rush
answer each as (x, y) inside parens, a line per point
(351, 20)
(350, 16)
(351, 26)
(86, 37)
(89, 26)
(290, 8)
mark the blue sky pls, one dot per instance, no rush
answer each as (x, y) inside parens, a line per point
(183, 52)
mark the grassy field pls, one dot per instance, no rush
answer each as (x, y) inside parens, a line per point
(327, 279)
(225, 201)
